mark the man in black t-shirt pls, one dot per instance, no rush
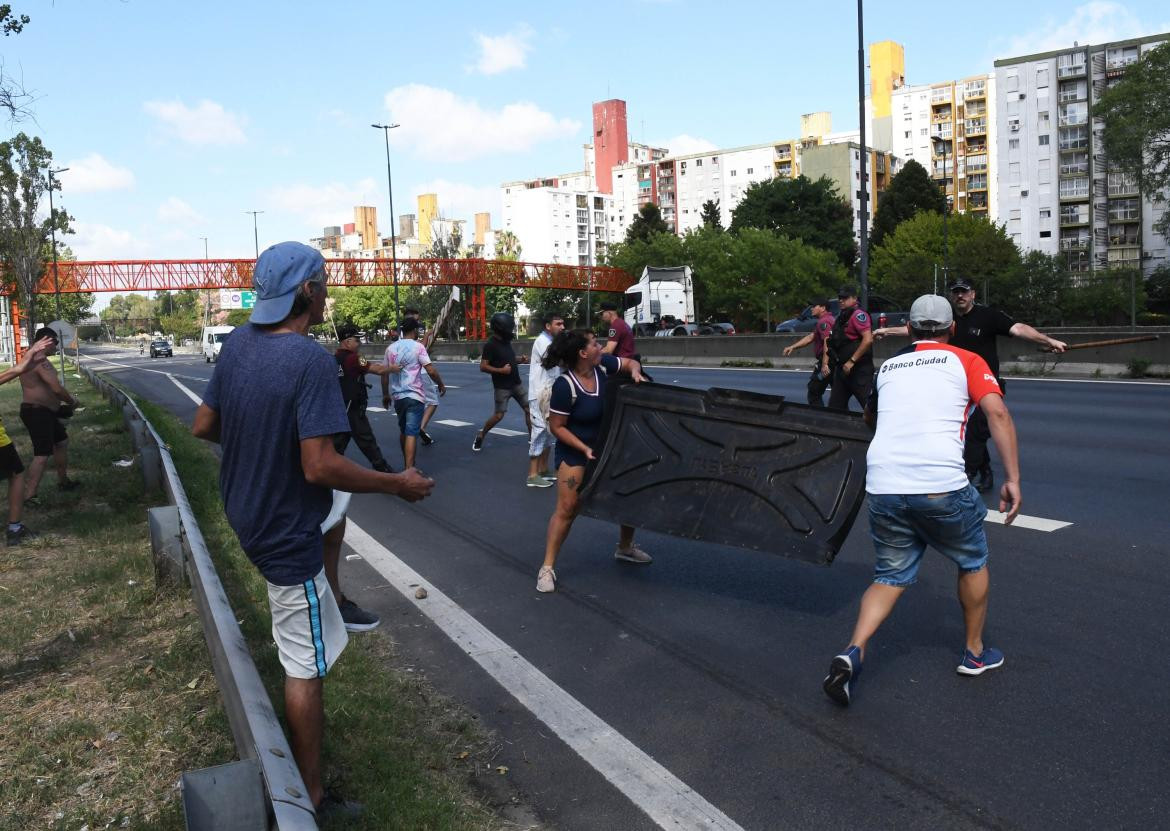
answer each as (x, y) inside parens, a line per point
(499, 360)
(976, 329)
(351, 373)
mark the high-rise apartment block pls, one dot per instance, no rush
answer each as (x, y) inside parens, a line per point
(1057, 191)
(556, 224)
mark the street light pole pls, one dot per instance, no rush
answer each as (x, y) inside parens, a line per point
(206, 292)
(386, 128)
(56, 284)
(255, 232)
(863, 236)
(942, 142)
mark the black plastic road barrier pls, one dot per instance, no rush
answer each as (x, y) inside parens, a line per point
(730, 467)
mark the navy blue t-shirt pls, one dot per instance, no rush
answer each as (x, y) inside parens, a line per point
(271, 391)
(585, 413)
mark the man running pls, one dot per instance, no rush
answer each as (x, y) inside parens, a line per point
(540, 440)
(408, 360)
(426, 338)
(499, 360)
(917, 492)
(818, 381)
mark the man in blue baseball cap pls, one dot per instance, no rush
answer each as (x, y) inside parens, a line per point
(274, 404)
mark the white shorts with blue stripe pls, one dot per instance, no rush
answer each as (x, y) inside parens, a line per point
(307, 627)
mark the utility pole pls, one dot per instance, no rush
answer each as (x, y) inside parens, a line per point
(386, 128)
(56, 283)
(255, 231)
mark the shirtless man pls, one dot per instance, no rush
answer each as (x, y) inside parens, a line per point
(43, 397)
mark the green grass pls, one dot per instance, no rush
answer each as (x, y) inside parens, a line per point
(407, 754)
(95, 663)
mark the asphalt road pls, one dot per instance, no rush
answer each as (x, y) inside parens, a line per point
(710, 660)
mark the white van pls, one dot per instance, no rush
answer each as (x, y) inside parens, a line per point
(212, 339)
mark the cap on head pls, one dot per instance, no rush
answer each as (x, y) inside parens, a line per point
(347, 332)
(931, 313)
(961, 285)
(280, 271)
(45, 332)
(846, 291)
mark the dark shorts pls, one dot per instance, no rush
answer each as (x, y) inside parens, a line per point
(10, 463)
(44, 428)
(410, 412)
(903, 526)
(518, 392)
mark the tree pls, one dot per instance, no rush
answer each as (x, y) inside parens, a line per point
(1136, 111)
(75, 306)
(813, 212)
(507, 246)
(903, 266)
(909, 192)
(1036, 294)
(25, 233)
(646, 224)
(710, 216)
(12, 95)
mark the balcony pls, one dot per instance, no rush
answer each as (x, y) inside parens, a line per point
(1126, 254)
(976, 110)
(1074, 215)
(942, 131)
(940, 95)
(1071, 70)
(977, 164)
(977, 183)
(978, 89)
(977, 202)
(976, 127)
(1122, 185)
(941, 115)
(1073, 119)
(1075, 244)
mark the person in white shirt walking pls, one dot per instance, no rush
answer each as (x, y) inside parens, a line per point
(541, 440)
(407, 359)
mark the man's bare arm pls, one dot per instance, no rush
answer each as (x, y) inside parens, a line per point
(324, 466)
(434, 373)
(800, 344)
(32, 358)
(609, 348)
(206, 425)
(1023, 330)
(1003, 431)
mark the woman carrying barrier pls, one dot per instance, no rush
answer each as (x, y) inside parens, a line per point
(576, 408)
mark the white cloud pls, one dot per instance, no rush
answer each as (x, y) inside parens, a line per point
(684, 145)
(500, 53)
(439, 125)
(458, 200)
(94, 241)
(206, 123)
(94, 173)
(329, 204)
(175, 211)
(1090, 23)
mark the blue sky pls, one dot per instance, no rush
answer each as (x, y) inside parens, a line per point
(176, 118)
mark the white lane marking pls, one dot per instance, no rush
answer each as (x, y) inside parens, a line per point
(1035, 523)
(186, 391)
(501, 431)
(370, 409)
(450, 422)
(144, 369)
(664, 797)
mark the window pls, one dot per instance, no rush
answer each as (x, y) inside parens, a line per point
(1011, 83)
(1071, 114)
(733, 173)
(922, 132)
(1072, 91)
(1014, 172)
(698, 162)
(1045, 234)
(1123, 209)
(1013, 144)
(908, 133)
(1042, 139)
(751, 170)
(1074, 164)
(1043, 120)
(1014, 214)
(1074, 214)
(1074, 188)
(1046, 213)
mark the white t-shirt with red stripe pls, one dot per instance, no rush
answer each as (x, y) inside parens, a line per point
(923, 397)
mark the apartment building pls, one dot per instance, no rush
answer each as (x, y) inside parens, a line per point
(840, 163)
(1057, 191)
(949, 129)
(555, 223)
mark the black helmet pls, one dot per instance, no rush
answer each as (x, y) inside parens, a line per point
(503, 324)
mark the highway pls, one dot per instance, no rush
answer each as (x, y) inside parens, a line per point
(687, 693)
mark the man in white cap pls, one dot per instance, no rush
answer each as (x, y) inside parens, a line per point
(918, 491)
(274, 404)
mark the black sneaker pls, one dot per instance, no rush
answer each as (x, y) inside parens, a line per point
(68, 485)
(356, 618)
(477, 445)
(843, 674)
(426, 437)
(21, 534)
(984, 480)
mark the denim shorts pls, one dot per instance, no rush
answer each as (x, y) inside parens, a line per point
(410, 413)
(903, 525)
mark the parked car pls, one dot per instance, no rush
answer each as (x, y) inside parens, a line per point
(161, 348)
(722, 328)
(883, 310)
(684, 329)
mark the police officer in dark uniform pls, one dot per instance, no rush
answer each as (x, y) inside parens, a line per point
(976, 329)
(850, 348)
(351, 373)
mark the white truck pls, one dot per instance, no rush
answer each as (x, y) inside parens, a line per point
(212, 339)
(662, 295)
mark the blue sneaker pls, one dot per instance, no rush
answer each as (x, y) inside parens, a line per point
(843, 672)
(979, 664)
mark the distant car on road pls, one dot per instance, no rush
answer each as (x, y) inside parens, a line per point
(722, 328)
(684, 329)
(161, 348)
(881, 308)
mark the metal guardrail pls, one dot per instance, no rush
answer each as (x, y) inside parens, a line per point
(255, 728)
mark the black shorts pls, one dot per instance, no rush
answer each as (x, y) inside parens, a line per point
(44, 428)
(10, 463)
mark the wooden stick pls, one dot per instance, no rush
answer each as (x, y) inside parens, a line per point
(1095, 343)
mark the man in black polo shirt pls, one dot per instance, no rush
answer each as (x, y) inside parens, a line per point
(976, 329)
(499, 360)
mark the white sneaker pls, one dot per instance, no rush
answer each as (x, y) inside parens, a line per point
(633, 554)
(546, 579)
